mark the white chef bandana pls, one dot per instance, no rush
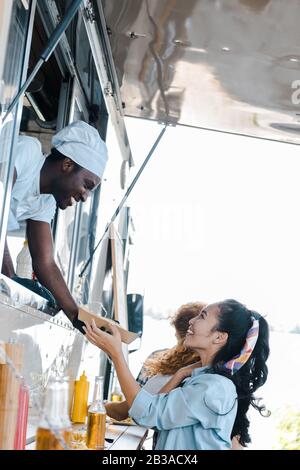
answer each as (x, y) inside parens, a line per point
(81, 143)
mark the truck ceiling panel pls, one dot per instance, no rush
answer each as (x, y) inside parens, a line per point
(219, 64)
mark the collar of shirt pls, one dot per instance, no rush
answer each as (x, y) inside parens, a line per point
(199, 370)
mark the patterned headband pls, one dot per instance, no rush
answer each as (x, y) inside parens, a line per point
(238, 361)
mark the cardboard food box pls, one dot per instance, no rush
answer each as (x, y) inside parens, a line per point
(102, 322)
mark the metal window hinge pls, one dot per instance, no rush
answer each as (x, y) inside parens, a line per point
(108, 90)
(89, 13)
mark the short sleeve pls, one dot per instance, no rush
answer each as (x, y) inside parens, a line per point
(26, 151)
(46, 210)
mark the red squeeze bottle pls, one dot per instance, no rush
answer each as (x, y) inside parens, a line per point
(21, 428)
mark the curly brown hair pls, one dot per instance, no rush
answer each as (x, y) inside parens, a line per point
(168, 362)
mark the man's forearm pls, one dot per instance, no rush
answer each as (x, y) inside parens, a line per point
(50, 276)
(128, 384)
(7, 264)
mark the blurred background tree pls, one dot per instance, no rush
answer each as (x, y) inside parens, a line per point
(289, 430)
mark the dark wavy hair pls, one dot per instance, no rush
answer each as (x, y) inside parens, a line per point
(236, 320)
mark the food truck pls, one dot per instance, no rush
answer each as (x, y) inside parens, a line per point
(230, 67)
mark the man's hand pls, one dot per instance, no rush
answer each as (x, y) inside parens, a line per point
(111, 343)
(79, 325)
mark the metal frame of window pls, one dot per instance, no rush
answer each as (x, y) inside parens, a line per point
(50, 17)
(17, 120)
(77, 98)
(98, 41)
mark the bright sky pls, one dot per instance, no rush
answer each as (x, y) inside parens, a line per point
(216, 216)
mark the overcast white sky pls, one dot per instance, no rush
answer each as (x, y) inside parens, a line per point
(216, 216)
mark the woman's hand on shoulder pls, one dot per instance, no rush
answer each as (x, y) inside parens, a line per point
(179, 376)
(186, 371)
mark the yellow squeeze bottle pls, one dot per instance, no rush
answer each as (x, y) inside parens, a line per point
(81, 393)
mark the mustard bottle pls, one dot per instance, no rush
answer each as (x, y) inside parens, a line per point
(81, 393)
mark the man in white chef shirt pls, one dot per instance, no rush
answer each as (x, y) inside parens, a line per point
(73, 169)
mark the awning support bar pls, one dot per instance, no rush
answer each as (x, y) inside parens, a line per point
(130, 188)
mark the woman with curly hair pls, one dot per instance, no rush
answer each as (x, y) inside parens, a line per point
(203, 404)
